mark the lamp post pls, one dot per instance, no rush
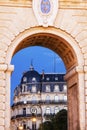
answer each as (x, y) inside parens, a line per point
(34, 113)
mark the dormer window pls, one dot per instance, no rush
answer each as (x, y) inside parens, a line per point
(56, 78)
(25, 79)
(33, 79)
(47, 78)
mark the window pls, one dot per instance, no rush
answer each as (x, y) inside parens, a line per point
(48, 98)
(48, 111)
(24, 126)
(56, 88)
(65, 97)
(56, 78)
(24, 88)
(25, 79)
(47, 88)
(56, 110)
(33, 125)
(33, 88)
(56, 98)
(65, 88)
(24, 111)
(33, 79)
(34, 99)
(47, 79)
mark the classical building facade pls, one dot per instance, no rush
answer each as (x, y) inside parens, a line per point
(37, 97)
(65, 33)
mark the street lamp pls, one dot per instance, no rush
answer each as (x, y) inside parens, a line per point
(34, 119)
(20, 127)
(34, 114)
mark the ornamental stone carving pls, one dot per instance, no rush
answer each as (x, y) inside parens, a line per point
(45, 11)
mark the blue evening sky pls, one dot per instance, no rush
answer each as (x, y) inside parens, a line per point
(42, 59)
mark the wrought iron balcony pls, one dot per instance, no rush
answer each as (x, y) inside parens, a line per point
(42, 102)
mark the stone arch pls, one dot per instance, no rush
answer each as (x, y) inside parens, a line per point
(55, 34)
(69, 50)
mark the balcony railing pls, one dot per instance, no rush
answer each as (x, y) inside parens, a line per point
(24, 116)
(42, 102)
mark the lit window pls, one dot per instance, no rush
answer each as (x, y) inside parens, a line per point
(33, 88)
(65, 88)
(56, 78)
(24, 79)
(65, 98)
(48, 110)
(47, 88)
(65, 107)
(56, 110)
(47, 98)
(47, 79)
(56, 88)
(33, 79)
(56, 98)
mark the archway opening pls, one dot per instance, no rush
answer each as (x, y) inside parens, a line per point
(69, 57)
(53, 42)
(55, 95)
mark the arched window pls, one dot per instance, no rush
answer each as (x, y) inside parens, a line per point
(48, 110)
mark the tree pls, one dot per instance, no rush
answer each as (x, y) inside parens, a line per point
(60, 120)
(47, 125)
(57, 122)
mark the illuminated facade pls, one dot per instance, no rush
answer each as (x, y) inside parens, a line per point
(39, 96)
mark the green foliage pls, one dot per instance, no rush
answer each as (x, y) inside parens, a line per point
(46, 126)
(57, 122)
(60, 120)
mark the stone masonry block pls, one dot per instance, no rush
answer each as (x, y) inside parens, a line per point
(2, 98)
(2, 82)
(2, 75)
(1, 121)
(2, 128)
(2, 90)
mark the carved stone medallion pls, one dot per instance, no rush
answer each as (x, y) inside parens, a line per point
(45, 11)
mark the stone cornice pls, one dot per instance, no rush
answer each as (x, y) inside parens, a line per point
(77, 4)
(8, 68)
